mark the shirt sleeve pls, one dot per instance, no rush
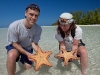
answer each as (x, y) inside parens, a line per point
(58, 37)
(12, 35)
(78, 33)
(37, 35)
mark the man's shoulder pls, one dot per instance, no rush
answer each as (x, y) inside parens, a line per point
(15, 23)
(37, 26)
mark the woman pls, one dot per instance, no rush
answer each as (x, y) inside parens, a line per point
(69, 37)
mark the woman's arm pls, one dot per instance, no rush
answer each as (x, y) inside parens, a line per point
(61, 46)
(75, 45)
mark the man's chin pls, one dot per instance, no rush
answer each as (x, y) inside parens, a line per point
(32, 23)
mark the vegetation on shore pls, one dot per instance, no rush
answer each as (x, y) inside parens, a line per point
(85, 18)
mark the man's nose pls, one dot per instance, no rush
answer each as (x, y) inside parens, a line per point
(33, 16)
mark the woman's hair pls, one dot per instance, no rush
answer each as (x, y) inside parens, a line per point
(59, 30)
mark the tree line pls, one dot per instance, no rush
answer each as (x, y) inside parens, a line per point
(85, 18)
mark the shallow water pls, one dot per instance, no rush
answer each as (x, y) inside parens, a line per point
(91, 37)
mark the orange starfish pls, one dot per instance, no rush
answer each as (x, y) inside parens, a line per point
(67, 56)
(41, 58)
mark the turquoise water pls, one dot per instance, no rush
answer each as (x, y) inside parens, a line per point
(91, 37)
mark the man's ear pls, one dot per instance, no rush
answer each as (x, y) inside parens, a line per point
(25, 13)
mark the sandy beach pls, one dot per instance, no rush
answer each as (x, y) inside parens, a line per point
(91, 37)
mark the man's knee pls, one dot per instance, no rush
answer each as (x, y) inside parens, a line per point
(13, 54)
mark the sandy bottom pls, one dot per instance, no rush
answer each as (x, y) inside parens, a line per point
(90, 37)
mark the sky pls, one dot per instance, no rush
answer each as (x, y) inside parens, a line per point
(50, 10)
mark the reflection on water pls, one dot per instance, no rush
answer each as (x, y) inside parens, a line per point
(91, 37)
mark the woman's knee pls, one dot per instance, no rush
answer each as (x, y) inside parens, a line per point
(82, 51)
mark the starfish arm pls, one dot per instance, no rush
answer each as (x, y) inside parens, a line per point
(73, 51)
(58, 55)
(46, 62)
(66, 62)
(47, 54)
(43, 61)
(75, 57)
(41, 58)
(31, 57)
(38, 65)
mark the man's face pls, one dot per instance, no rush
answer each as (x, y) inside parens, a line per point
(31, 16)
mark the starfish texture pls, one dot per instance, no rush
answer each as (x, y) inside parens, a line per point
(41, 58)
(67, 56)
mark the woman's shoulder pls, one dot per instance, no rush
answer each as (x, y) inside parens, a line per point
(78, 28)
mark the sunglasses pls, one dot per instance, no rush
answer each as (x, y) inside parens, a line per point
(65, 21)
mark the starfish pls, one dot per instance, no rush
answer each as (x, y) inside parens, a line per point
(41, 58)
(67, 56)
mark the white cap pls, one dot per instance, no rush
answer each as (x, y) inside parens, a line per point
(67, 16)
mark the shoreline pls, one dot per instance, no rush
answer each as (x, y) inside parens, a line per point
(78, 25)
(55, 26)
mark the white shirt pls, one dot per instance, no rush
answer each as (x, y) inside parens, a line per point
(17, 32)
(69, 40)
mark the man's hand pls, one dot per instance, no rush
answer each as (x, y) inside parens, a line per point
(29, 55)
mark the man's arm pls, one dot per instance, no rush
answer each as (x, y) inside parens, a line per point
(20, 49)
(35, 46)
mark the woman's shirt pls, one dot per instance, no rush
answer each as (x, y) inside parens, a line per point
(69, 39)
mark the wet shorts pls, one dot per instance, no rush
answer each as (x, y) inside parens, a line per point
(81, 44)
(23, 58)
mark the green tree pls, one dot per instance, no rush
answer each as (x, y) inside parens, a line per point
(85, 18)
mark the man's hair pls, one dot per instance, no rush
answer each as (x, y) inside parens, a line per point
(33, 7)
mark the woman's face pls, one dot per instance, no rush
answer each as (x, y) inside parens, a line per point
(64, 27)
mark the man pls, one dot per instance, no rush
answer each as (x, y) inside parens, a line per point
(69, 36)
(23, 36)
